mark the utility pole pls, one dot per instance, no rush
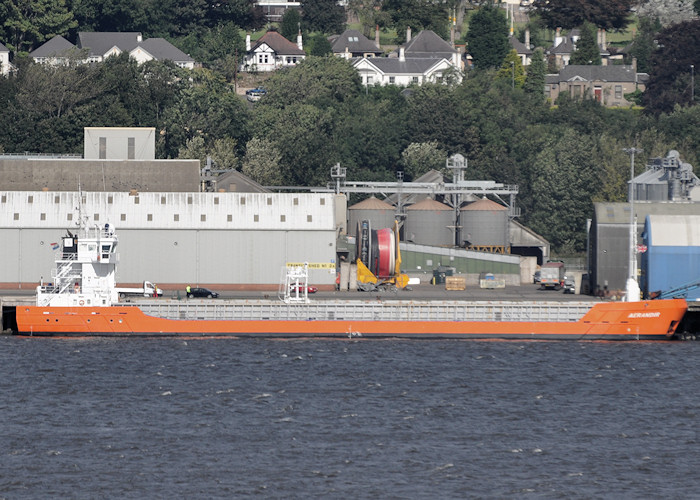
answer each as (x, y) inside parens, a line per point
(632, 285)
(692, 84)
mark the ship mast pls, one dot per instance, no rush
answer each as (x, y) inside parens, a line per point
(632, 294)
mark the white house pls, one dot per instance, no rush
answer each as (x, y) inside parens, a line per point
(271, 52)
(427, 58)
(97, 46)
(5, 65)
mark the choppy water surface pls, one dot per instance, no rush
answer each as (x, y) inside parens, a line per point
(347, 419)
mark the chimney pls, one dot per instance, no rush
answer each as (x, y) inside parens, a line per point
(557, 37)
(599, 39)
(603, 41)
(402, 55)
(527, 38)
(634, 65)
(247, 42)
(376, 36)
(408, 34)
(299, 42)
(139, 37)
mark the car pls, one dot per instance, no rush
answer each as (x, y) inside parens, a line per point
(201, 292)
(569, 285)
(536, 278)
(254, 95)
(300, 288)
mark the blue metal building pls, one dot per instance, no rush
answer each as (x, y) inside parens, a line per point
(672, 257)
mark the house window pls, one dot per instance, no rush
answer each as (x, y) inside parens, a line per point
(149, 217)
(162, 200)
(136, 200)
(16, 216)
(618, 91)
(296, 201)
(203, 218)
(96, 217)
(176, 217)
(323, 201)
(30, 199)
(123, 217)
(548, 91)
(229, 218)
(414, 79)
(56, 199)
(110, 199)
(283, 218)
(309, 218)
(216, 200)
(189, 200)
(43, 217)
(370, 79)
(392, 80)
(103, 148)
(4, 198)
(256, 218)
(131, 148)
(69, 217)
(269, 201)
(242, 201)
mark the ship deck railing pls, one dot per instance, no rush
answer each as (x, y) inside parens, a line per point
(248, 310)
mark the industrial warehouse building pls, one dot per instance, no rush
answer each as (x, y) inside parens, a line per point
(175, 238)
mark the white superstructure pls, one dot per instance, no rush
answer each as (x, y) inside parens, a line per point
(85, 268)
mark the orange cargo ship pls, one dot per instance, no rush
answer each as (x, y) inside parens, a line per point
(648, 320)
(82, 300)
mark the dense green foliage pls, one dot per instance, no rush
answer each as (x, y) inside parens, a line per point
(607, 14)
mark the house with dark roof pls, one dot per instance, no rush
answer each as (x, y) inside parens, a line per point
(425, 58)
(352, 43)
(606, 84)
(523, 49)
(97, 46)
(564, 46)
(5, 65)
(272, 52)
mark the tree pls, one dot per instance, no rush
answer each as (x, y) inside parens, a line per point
(418, 15)
(587, 51)
(319, 45)
(670, 81)
(512, 70)
(29, 23)
(643, 45)
(667, 12)
(289, 27)
(262, 162)
(419, 158)
(567, 14)
(536, 72)
(319, 81)
(325, 16)
(487, 38)
(110, 15)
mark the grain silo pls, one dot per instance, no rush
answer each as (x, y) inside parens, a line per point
(429, 222)
(484, 224)
(380, 214)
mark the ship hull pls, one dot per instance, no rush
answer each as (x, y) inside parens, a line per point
(647, 320)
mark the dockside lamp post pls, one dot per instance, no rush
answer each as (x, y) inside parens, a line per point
(632, 287)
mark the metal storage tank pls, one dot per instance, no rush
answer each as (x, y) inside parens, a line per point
(380, 214)
(672, 257)
(484, 223)
(429, 222)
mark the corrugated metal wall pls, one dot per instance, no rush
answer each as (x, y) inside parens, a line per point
(218, 238)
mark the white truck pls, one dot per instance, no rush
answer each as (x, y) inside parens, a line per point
(552, 275)
(147, 290)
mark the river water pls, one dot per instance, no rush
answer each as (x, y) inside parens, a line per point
(180, 418)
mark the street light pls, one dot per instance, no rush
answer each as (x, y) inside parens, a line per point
(692, 84)
(632, 285)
